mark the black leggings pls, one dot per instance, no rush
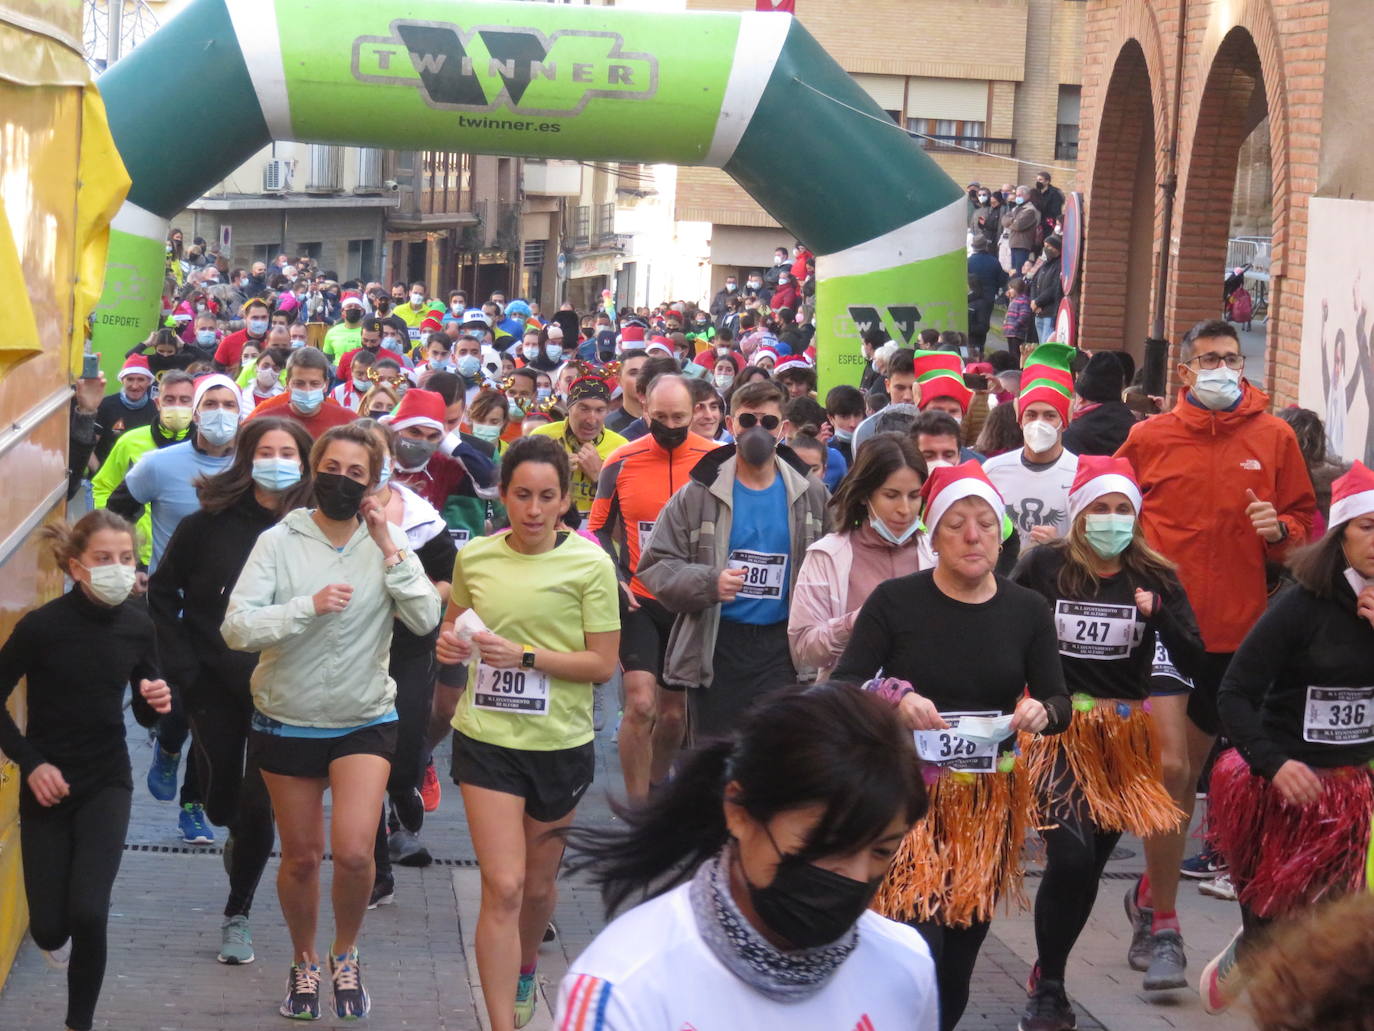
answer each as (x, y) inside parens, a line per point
(71, 854)
(414, 676)
(235, 794)
(955, 951)
(171, 733)
(1076, 853)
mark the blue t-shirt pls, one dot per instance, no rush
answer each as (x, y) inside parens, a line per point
(164, 480)
(761, 544)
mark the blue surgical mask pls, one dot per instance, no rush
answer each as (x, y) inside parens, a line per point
(885, 532)
(844, 435)
(469, 366)
(297, 343)
(1109, 534)
(205, 336)
(243, 281)
(257, 327)
(484, 431)
(543, 393)
(1217, 389)
(514, 410)
(217, 426)
(386, 473)
(554, 351)
(307, 402)
(276, 473)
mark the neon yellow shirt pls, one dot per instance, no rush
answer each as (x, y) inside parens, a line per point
(583, 487)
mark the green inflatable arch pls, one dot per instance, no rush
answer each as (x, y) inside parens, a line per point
(754, 94)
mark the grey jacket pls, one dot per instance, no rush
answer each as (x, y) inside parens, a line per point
(690, 545)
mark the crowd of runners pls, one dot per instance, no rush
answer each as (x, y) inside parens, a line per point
(862, 647)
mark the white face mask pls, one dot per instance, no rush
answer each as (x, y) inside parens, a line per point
(530, 351)
(417, 299)
(1039, 436)
(112, 583)
(1217, 389)
(884, 531)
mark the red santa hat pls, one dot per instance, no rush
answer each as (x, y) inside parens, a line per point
(204, 384)
(135, 365)
(793, 362)
(352, 299)
(1352, 495)
(764, 352)
(631, 335)
(1098, 475)
(660, 344)
(951, 483)
(418, 408)
(431, 324)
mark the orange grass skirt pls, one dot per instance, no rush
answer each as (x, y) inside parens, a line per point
(1114, 770)
(965, 855)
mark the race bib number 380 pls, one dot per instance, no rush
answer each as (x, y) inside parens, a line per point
(765, 573)
(524, 692)
(1339, 716)
(1092, 631)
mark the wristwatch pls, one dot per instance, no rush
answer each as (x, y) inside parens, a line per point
(395, 559)
(527, 659)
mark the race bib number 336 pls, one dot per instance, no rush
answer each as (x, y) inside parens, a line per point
(1339, 716)
(524, 692)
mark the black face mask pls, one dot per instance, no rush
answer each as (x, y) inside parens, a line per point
(338, 496)
(811, 907)
(668, 437)
(352, 314)
(755, 445)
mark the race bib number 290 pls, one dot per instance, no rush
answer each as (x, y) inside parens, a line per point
(1339, 716)
(524, 692)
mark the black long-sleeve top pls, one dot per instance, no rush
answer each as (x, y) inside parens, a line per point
(77, 656)
(1103, 664)
(189, 592)
(1305, 670)
(961, 656)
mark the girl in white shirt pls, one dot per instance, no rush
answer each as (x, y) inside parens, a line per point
(762, 856)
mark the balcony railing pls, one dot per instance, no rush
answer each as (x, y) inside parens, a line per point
(1066, 150)
(325, 166)
(605, 223)
(369, 170)
(582, 226)
(1001, 146)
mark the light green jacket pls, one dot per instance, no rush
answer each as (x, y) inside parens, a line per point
(330, 670)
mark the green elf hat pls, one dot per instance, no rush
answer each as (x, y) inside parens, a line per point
(1047, 377)
(941, 374)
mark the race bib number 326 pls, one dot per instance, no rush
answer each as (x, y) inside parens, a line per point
(524, 692)
(1339, 716)
(946, 748)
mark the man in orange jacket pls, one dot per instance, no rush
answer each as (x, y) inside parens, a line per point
(1226, 491)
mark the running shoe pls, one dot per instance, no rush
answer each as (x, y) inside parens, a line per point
(1222, 981)
(1048, 1009)
(430, 789)
(1219, 887)
(302, 1000)
(1033, 978)
(59, 958)
(162, 774)
(598, 708)
(405, 848)
(195, 829)
(350, 997)
(1167, 962)
(526, 996)
(383, 893)
(1138, 954)
(1207, 863)
(550, 932)
(236, 943)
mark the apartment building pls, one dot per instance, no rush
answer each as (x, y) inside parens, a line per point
(991, 87)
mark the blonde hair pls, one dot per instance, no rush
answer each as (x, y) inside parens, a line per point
(1078, 576)
(352, 433)
(68, 541)
(378, 389)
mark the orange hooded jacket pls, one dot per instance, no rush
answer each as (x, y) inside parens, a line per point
(1194, 466)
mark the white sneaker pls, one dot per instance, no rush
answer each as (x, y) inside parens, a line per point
(1219, 887)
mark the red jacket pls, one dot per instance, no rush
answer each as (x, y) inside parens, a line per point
(1194, 466)
(785, 296)
(331, 414)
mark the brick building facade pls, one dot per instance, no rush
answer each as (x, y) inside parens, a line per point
(1203, 74)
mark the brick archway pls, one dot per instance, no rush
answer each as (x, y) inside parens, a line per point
(1118, 252)
(1234, 97)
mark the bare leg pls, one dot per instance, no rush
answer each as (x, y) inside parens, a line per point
(543, 854)
(496, 822)
(1163, 852)
(441, 714)
(669, 730)
(637, 732)
(358, 784)
(299, 805)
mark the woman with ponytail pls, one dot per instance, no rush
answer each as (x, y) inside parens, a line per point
(77, 653)
(759, 861)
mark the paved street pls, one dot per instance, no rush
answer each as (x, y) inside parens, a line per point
(164, 933)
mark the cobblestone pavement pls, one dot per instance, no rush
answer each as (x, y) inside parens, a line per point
(164, 933)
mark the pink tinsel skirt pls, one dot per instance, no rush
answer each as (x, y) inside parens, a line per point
(1283, 857)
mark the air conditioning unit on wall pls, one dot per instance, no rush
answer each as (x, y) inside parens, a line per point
(276, 176)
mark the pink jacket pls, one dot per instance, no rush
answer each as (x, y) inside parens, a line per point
(821, 615)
